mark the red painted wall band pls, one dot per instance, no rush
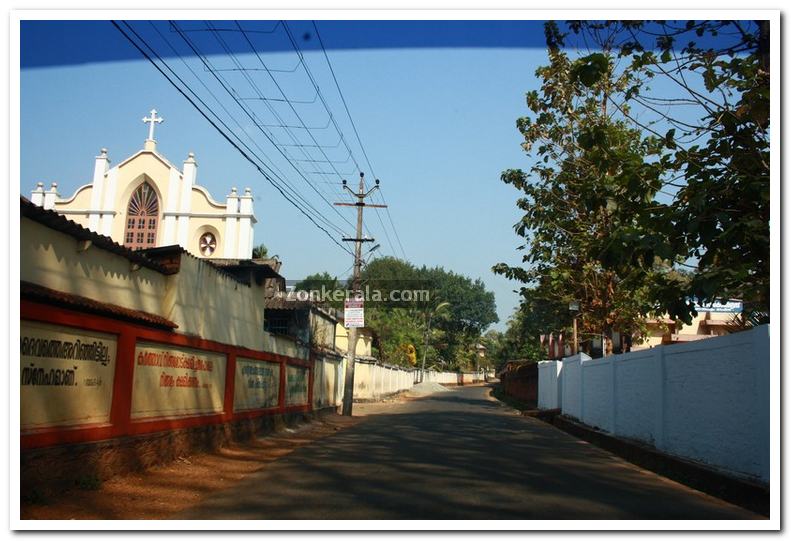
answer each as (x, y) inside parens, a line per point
(128, 334)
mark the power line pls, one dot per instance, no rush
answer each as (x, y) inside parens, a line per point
(279, 174)
(251, 116)
(357, 134)
(214, 125)
(332, 118)
(274, 113)
(322, 99)
(308, 159)
(285, 99)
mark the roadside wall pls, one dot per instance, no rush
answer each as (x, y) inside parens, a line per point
(550, 384)
(114, 396)
(521, 382)
(707, 401)
(327, 381)
(451, 378)
(213, 305)
(373, 380)
(52, 259)
(444, 378)
(86, 377)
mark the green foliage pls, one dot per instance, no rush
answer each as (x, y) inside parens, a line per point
(591, 187)
(595, 230)
(519, 341)
(454, 329)
(720, 213)
(260, 252)
(590, 70)
(315, 281)
(321, 282)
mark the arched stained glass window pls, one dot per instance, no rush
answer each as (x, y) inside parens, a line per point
(142, 218)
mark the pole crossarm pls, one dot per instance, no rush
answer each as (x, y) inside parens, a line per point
(361, 205)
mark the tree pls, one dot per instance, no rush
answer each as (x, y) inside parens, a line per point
(324, 287)
(399, 323)
(610, 151)
(317, 281)
(717, 144)
(260, 252)
(593, 182)
(470, 310)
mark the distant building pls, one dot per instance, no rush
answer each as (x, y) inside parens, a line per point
(365, 338)
(146, 202)
(713, 319)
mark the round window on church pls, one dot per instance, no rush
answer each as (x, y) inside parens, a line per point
(207, 244)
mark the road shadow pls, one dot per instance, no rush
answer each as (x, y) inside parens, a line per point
(457, 455)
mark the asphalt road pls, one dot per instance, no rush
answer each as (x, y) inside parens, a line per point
(456, 455)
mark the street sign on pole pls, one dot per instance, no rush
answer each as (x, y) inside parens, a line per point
(353, 313)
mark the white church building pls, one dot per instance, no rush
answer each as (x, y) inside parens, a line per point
(145, 202)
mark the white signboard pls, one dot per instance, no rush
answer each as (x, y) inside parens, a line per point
(257, 384)
(730, 307)
(353, 313)
(296, 385)
(66, 375)
(172, 381)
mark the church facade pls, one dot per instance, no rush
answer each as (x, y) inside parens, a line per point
(145, 202)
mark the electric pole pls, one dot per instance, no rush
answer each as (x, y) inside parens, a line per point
(360, 195)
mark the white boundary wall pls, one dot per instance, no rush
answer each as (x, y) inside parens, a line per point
(550, 384)
(707, 400)
(373, 381)
(570, 401)
(451, 378)
(448, 378)
(327, 382)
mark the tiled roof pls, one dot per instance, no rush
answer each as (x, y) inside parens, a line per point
(38, 293)
(282, 303)
(271, 262)
(58, 222)
(165, 256)
(258, 269)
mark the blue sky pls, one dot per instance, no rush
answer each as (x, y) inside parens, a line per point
(438, 126)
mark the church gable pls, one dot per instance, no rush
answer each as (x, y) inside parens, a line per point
(145, 201)
(203, 202)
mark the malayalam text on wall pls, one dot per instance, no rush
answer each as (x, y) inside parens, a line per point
(66, 375)
(296, 385)
(257, 384)
(172, 381)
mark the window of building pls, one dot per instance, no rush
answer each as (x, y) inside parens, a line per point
(207, 244)
(142, 218)
(277, 322)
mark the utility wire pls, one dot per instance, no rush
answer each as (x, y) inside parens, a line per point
(215, 126)
(285, 99)
(302, 147)
(251, 116)
(305, 66)
(274, 113)
(357, 135)
(279, 173)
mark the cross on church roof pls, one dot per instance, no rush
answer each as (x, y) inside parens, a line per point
(151, 121)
